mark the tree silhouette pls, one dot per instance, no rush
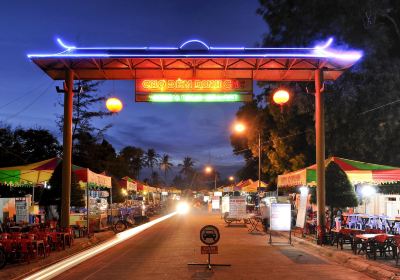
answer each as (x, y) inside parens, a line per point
(133, 157)
(187, 167)
(86, 108)
(151, 159)
(165, 165)
(340, 192)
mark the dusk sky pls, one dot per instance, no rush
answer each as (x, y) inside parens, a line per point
(29, 99)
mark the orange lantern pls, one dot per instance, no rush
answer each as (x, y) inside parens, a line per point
(114, 105)
(281, 97)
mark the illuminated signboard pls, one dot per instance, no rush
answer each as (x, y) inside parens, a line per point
(193, 90)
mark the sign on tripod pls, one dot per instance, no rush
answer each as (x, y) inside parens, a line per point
(209, 235)
(280, 219)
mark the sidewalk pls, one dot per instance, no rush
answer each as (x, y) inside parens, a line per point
(252, 257)
(379, 269)
(16, 270)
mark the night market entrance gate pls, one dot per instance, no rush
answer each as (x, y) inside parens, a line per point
(195, 60)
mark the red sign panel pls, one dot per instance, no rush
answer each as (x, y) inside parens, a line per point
(193, 85)
(209, 250)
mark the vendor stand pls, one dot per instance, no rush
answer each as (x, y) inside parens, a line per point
(98, 189)
(29, 176)
(383, 179)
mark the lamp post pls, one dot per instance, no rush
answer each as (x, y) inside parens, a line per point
(208, 170)
(240, 128)
(367, 191)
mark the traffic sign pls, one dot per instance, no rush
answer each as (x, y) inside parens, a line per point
(209, 250)
(209, 235)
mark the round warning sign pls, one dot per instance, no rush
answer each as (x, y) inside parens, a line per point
(209, 235)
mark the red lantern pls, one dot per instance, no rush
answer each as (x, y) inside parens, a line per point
(281, 97)
(114, 105)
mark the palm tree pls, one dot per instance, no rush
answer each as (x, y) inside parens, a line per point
(151, 159)
(165, 165)
(134, 158)
(155, 179)
(187, 167)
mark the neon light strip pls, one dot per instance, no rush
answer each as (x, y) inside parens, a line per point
(326, 45)
(320, 51)
(58, 268)
(194, 41)
(344, 56)
(60, 42)
(196, 97)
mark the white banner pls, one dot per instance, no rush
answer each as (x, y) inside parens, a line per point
(301, 211)
(215, 202)
(280, 217)
(225, 204)
(237, 207)
(21, 210)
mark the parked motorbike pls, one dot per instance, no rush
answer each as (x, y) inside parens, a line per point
(124, 222)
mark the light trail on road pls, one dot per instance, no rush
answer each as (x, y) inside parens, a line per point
(58, 268)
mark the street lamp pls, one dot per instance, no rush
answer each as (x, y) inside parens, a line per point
(208, 169)
(367, 191)
(240, 128)
(114, 105)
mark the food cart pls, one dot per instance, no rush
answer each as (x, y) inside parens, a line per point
(98, 189)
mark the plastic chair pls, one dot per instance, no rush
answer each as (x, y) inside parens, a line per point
(16, 235)
(345, 237)
(396, 242)
(352, 221)
(5, 236)
(382, 245)
(26, 249)
(45, 238)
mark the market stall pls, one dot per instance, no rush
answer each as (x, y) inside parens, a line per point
(358, 173)
(98, 189)
(29, 176)
(382, 179)
(134, 203)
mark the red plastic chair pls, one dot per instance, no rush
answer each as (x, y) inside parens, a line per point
(345, 237)
(55, 242)
(16, 235)
(5, 236)
(44, 236)
(26, 250)
(382, 245)
(396, 242)
(70, 237)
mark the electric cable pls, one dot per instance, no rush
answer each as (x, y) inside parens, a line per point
(24, 94)
(30, 104)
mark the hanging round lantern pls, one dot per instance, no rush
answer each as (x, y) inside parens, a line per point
(281, 96)
(114, 105)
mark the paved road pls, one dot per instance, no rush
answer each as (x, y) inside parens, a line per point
(163, 251)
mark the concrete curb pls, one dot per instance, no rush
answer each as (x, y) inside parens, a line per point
(377, 271)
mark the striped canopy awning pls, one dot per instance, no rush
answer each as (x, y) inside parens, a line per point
(358, 172)
(30, 174)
